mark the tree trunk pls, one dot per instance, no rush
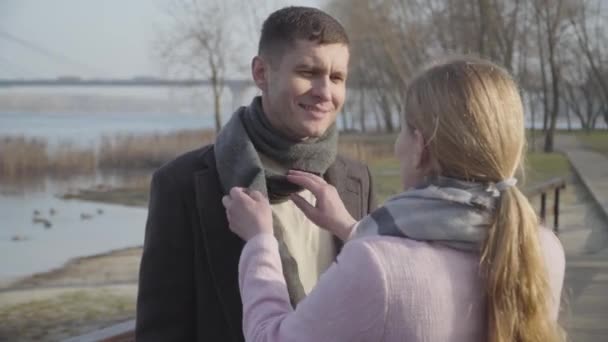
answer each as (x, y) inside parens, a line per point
(217, 108)
(378, 117)
(543, 71)
(555, 78)
(533, 119)
(362, 111)
(483, 25)
(388, 115)
(344, 117)
(217, 87)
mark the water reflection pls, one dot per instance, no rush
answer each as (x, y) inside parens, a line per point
(39, 231)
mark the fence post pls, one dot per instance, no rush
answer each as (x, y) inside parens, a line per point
(556, 211)
(543, 201)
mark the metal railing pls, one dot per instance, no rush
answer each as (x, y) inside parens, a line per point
(554, 185)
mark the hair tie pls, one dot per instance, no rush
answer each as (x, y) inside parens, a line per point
(496, 188)
(505, 184)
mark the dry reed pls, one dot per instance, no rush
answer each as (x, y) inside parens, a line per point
(22, 157)
(146, 151)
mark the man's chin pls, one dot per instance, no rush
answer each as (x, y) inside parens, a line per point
(314, 133)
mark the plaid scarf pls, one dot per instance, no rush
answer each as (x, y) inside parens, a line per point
(444, 210)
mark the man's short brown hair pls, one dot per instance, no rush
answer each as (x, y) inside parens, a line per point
(283, 27)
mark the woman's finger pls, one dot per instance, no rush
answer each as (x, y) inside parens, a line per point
(226, 201)
(237, 192)
(256, 195)
(308, 175)
(303, 204)
(305, 182)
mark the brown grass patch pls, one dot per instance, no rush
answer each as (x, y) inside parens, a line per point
(20, 156)
(24, 158)
(367, 148)
(147, 151)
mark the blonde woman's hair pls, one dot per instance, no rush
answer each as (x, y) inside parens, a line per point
(470, 113)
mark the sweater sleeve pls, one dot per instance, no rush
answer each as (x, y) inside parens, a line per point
(349, 302)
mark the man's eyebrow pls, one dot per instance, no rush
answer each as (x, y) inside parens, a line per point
(317, 69)
(305, 65)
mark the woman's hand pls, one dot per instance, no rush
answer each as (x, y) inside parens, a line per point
(248, 213)
(329, 212)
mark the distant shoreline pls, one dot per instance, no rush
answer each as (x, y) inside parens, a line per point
(111, 267)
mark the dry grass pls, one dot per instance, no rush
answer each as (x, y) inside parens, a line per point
(69, 159)
(149, 150)
(24, 158)
(367, 148)
(20, 156)
(70, 313)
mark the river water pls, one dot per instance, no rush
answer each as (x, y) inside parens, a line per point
(77, 228)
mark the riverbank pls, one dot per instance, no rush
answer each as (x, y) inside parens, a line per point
(85, 294)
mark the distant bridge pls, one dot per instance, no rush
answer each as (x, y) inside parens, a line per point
(237, 87)
(133, 82)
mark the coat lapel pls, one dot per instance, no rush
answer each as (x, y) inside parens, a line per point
(349, 190)
(223, 248)
(348, 186)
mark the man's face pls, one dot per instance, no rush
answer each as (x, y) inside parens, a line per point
(305, 88)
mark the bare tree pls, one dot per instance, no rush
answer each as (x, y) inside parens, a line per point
(582, 94)
(589, 23)
(384, 54)
(392, 39)
(200, 43)
(551, 19)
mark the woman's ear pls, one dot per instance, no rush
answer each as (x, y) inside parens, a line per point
(422, 158)
(258, 73)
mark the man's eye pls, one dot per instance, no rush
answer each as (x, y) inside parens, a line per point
(305, 73)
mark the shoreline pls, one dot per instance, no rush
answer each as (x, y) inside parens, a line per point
(86, 293)
(114, 266)
(128, 196)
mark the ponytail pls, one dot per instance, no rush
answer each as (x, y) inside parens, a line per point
(518, 294)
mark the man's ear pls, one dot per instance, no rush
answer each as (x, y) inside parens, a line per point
(259, 68)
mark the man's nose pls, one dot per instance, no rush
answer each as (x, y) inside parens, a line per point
(321, 88)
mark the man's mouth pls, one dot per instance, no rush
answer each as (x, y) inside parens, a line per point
(317, 111)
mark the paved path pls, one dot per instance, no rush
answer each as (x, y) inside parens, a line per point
(584, 234)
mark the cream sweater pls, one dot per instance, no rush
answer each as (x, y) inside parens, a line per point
(313, 248)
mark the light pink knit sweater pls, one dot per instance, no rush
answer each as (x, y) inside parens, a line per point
(380, 289)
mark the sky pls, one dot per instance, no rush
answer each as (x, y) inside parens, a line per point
(87, 38)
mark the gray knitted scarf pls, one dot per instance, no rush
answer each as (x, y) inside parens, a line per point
(444, 210)
(250, 153)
